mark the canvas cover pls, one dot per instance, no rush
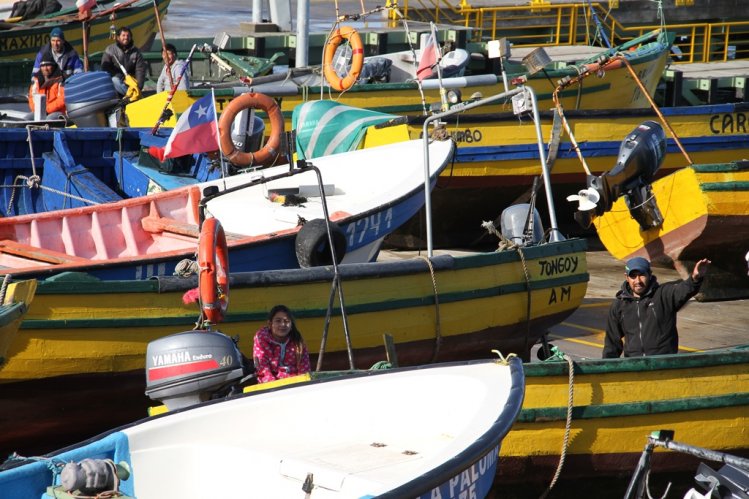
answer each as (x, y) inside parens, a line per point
(328, 127)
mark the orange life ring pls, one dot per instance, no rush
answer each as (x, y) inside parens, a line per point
(272, 148)
(357, 58)
(213, 280)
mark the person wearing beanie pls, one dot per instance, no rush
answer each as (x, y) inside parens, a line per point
(642, 318)
(62, 52)
(177, 66)
(49, 83)
(123, 52)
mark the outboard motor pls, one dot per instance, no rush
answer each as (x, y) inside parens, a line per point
(187, 368)
(247, 131)
(518, 227)
(90, 98)
(640, 156)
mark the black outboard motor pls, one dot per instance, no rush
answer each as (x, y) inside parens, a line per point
(90, 99)
(187, 368)
(640, 156)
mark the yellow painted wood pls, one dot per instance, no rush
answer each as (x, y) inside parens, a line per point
(681, 200)
(94, 348)
(720, 429)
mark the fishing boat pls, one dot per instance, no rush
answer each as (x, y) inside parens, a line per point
(368, 194)
(336, 448)
(698, 211)
(612, 403)
(23, 39)
(617, 89)
(451, 307)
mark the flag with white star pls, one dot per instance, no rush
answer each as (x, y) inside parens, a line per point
(195, 131)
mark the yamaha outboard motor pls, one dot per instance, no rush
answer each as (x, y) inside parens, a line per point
(640, 156)
(187, 368)
(247, 131)
(90, 98)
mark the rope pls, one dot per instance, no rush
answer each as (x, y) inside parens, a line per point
(381, 365)
(502, 359)
(4, 287)
(33, 183)
(437, 326)
(568, 424)
(186, 268)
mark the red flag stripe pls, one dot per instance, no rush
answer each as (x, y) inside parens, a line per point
(156, 373)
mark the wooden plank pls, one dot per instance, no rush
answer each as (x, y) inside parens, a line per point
(39, 254)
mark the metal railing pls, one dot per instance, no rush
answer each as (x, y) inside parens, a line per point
(542, 24)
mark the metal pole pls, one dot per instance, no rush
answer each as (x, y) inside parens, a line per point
(257, 11)
(302, 34)
(458, 108)
(554, 235)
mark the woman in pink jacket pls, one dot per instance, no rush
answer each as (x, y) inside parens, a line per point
(278, 348)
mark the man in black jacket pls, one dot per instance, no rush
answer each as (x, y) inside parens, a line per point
(124, 54)
(642, 318)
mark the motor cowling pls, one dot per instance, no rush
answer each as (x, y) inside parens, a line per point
(641, 154)
(89, 98)
(187, 368)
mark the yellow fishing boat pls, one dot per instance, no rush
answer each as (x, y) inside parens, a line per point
(615, 89)
(92, 334)
(703, 396)
(705, 209)
(23, 39)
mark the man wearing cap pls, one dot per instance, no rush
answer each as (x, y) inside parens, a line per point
(642, 318)
(61, 52)
(49, 83)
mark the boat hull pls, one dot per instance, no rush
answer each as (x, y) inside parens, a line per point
(418, 450)
(24, 43)
(481, 304)
(703, 396)
(705, 211)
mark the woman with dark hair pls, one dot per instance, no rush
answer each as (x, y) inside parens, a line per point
(278, 348)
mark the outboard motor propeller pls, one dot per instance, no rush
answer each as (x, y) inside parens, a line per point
(640, 156)
(187, 368)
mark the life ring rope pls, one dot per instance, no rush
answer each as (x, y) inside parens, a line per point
(213, 262)
(357, 58)
(268, 154)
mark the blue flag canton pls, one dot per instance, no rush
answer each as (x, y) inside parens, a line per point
(202, 111)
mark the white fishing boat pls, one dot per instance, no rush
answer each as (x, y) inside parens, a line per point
(440, 437)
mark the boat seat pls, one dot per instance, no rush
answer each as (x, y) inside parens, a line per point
(39, 254)
(157, 225)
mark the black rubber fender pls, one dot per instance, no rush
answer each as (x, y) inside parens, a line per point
(312, 246)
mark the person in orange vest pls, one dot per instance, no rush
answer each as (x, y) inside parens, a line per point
(49, 83)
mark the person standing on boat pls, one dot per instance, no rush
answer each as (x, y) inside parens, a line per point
(49, 83)
(63, 54)
(278, 348)
(177, 66)
(642, 318)
(124, 54)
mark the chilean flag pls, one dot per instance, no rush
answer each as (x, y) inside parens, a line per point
(428, 58)
(195, 131)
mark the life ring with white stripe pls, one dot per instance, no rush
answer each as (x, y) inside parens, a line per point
(268, 154)
(213, 280)
(357, 58)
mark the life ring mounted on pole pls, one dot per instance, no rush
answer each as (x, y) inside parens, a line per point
(268, 154)
(213, 280)
(357, 58)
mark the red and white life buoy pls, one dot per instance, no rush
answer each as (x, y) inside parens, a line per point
(213, 281)
(357, 58)
(272, 148)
